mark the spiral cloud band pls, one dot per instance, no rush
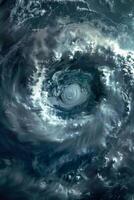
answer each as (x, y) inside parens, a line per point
(66, 96)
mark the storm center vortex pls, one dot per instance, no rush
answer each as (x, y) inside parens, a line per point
(73, 95)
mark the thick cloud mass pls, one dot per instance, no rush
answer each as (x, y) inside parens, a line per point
(66, 100)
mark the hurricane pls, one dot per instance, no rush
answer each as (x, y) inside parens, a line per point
(66, 100)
